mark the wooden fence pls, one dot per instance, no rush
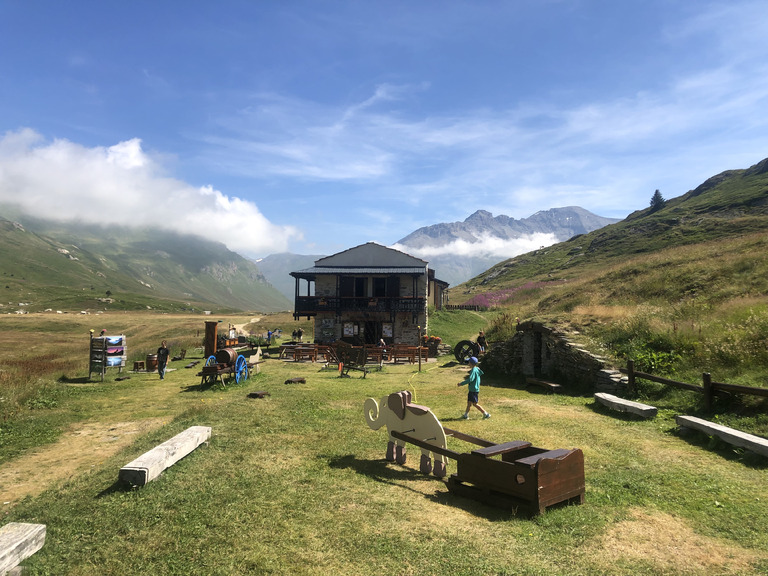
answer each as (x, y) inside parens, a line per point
(708, 387)
(474, 307)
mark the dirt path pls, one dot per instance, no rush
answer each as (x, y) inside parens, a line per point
(76, 452)
(87, 444)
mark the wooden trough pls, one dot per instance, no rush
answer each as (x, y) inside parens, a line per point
(523, 477)
(151, 464)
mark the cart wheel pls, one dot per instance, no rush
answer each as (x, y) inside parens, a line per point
(210, 361)
(465, 350)
(241, 369)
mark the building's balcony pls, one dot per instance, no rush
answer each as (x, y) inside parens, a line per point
(311, 305)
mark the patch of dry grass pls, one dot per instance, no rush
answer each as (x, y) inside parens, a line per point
(666, 544)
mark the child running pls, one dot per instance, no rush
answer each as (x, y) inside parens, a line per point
(473, 392)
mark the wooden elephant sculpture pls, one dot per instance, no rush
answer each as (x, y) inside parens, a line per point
(398, 414)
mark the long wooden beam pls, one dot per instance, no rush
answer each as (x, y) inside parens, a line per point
(150, 465)
(751, 442)
(426, 445)
(19, 540)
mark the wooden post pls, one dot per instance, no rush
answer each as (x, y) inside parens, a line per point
(418, 349)
(210, 338)
(707, 381)
(631, 376)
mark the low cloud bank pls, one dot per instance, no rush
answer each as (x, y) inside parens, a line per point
(486, 246)
(122, 185)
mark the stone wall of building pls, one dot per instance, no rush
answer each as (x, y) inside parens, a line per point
(541, 352)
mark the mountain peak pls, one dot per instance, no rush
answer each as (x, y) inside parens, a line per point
(479, 215)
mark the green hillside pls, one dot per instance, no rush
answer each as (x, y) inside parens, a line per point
(726, 207)
(73, 267)
(680, 290)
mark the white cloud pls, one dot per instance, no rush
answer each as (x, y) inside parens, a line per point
(123, 185)
(486, 246)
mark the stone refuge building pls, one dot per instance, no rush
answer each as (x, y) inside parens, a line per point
(367, 293)
(541, 352)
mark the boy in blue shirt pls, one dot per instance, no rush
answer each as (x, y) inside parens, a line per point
(474, 389)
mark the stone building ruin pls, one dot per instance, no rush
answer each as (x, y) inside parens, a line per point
(541, 352)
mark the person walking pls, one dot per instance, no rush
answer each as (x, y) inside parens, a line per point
(473, 391)
(162, 359)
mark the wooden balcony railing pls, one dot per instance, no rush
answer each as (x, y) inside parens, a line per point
(310, 305)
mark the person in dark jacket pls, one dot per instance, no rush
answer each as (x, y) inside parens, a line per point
(162, 359)
(481, 342)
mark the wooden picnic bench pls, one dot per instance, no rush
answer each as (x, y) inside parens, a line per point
(299, 352)
(401, 352)
(548, 386)
(375, 354)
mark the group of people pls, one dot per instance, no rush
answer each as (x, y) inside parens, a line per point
(472, 380)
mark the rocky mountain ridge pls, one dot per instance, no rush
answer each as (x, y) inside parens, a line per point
(563, 223)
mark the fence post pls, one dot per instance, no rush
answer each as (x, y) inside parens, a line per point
(631, 376)
(707, 381)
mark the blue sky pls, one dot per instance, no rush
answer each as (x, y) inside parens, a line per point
(314, 126)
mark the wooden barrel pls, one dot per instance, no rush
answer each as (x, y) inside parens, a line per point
(226, 356)
(151, 362)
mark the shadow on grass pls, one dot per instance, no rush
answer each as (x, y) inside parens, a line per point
(116, 487)
(721, 448)
(78, 380)
(395, 475)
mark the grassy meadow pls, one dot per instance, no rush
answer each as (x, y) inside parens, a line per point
(296, 483)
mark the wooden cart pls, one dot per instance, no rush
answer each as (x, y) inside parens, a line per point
(220, 366)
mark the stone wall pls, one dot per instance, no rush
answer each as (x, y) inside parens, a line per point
(542, 352)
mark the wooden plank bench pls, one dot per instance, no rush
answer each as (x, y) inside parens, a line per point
(549, 386)
(623, 405)
(151, 464)
(375, 354)
(408, 353)
(18, 541)
(756, 444)
(297, 351)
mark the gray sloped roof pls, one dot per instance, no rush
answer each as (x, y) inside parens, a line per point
(371, 255)
(317, 270)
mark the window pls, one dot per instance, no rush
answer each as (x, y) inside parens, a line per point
(379, 287)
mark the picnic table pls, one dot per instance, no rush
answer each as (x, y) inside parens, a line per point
(401, 352)
(299, 352)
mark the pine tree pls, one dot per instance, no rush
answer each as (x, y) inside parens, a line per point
(657, 201)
